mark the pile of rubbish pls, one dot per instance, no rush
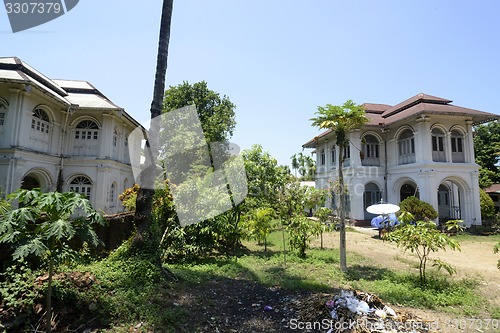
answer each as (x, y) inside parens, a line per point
(354, 311)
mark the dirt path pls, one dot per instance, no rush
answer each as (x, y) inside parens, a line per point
(476, 260)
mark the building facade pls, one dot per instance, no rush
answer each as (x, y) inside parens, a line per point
(62, 134)
(421, 147)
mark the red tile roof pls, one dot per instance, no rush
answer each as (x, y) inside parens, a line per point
(422, 104)
(495, 188)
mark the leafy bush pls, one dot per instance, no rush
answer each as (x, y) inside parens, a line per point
(17, 288)
(487, 205)
(421, 210)
(423, 238)
(260, 223)
(301, 229)
(43, 227)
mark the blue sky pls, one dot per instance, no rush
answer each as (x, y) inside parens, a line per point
(277, 60)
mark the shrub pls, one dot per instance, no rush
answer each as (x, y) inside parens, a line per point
(423, 238)
(487, 205)
(421, 210)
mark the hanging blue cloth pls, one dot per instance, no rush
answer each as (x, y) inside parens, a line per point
(381, 221)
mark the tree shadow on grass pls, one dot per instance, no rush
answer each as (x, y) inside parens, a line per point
(369, 273)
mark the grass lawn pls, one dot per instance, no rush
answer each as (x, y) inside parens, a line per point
(130, 292)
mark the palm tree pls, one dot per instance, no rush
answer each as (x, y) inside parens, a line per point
(295, 164)
(341, 120)
(146, 237)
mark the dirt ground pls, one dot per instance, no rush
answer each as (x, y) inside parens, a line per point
(475, 260)
(229, 305)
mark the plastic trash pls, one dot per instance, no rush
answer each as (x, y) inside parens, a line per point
(330, 304)
(390, 311)
(363, 307)
(268, 308)
(380, 313)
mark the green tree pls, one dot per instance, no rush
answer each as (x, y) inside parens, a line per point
(422, 238)
(44, 226)
(487, 152)
(314, 197)
(259, 223)
(341, 120)
(147, 237)
(324, 224)
(290, 205)
(301, 229)
(216, 113)
(305, 165)
(265, 177)
(487, 205)
(421, 210)
(295, 163)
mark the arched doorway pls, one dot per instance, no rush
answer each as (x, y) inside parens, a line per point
(449, 205)
(372, 195)
(30, 182)
(444, 208)
(408, 190)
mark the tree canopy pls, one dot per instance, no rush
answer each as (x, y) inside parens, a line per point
(216, 113)
(487, 152)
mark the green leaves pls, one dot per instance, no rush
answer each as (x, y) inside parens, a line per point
(423, 238)
(47, 222)
(216, 113)
(341, 119)
(35, 246)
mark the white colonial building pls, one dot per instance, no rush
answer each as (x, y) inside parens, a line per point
(422, 146)
(61, 134)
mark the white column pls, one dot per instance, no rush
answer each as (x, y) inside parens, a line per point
(428, 188)
(469, 143)
(106, 140)
(423, 143)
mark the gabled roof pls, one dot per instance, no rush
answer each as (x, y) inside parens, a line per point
(383, 115)
(495, 188)
(13, 69)
(68, 92)
(86, 95)
(420, 98)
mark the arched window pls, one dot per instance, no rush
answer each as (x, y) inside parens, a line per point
(334, 155)
(40, 130)
(347, 155)
(40, 121)
(372, 195)
(3, 116)
(81, 184)
(406, 147)
(371, 151)
(86, 138)
(87, 130)
(125, 184)
(322, 157)
(438, 149)
(115, 137)
(112, 195)
(457, 147)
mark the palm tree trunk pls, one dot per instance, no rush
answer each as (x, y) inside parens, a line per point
(145, 233)
(343, 259)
